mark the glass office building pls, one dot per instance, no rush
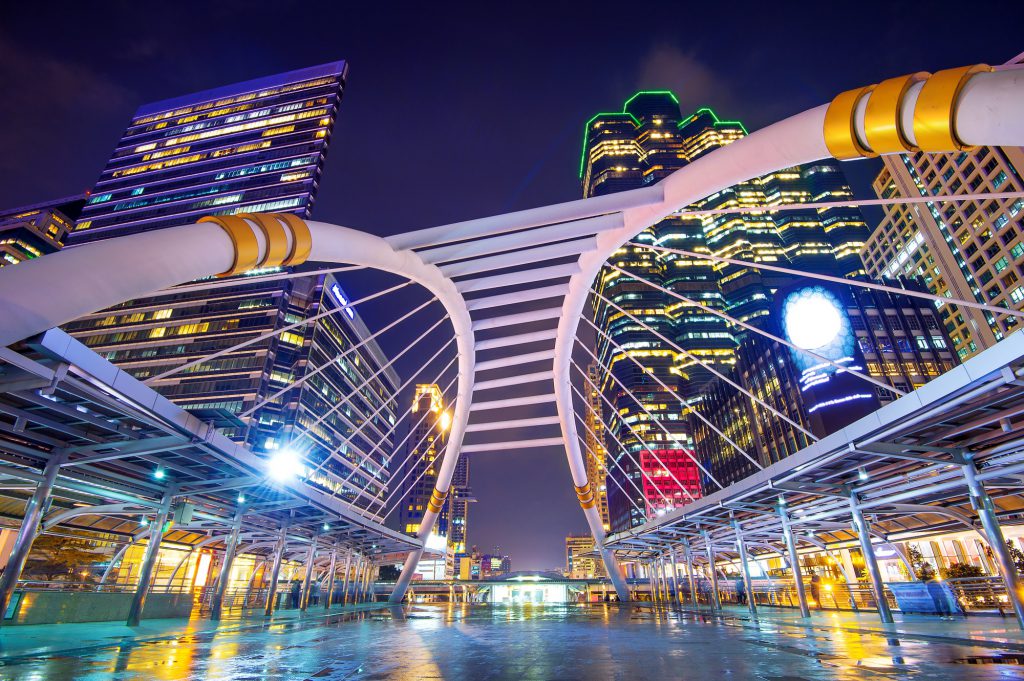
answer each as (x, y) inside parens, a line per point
(257, 146)
(644, 142)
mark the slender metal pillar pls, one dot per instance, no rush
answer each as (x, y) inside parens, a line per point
(156, 535)
(983, 505)
(650, 581)
(712, 572)
(794, 561)
(307, 583)
(345, 579)
(330, 579)
(745, 567)
(371, 583)
(230, 547)
(677, 597)
(870, 561)
(688, 554)
(356, 577)
(275, 572)
(35, 508)
(663, 574)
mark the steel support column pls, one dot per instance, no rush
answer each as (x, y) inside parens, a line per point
(688, 554)
(650, 582)
(870, 561)
(983, 505)
(744, 567)
(307, 582)
(356, 580)
(331, 579)
(794, 561)
(345, 579)
(275, 572)
(35, 508)
(156, 535)
(675, 578)
(230, 547)
(716, 604)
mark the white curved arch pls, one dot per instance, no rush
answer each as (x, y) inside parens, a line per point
(988, 112)
(107, 273)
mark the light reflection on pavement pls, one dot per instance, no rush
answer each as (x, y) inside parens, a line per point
(479, 642)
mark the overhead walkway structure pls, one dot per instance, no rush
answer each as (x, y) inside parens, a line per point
(515, 289)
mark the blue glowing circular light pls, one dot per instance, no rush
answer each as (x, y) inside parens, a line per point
(812, 319)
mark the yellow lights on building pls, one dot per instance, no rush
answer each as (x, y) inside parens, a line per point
(431, 391)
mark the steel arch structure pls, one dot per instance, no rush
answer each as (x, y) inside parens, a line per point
(544, 258)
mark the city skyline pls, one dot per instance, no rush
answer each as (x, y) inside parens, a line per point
(524, 192)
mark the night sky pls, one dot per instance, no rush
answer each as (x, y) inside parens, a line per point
(457, 113)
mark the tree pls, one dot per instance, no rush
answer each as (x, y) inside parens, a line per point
(54, 557)
(1016, 555)
(388, 573)
(961, 570)
(923, 569)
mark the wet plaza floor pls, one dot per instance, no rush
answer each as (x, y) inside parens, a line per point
(480, 642)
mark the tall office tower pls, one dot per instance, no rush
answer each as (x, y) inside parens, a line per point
(894, 338)
(31, 231)
(425, 450)
(581, 562)
(459, 498)
(648, 140)
(597, 453)
(972, 249)
(251, 147)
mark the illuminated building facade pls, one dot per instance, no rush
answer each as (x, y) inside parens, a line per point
(971, 249)
(31, 231)
(596, 454)
(249, 147)
(649, 139)
(580, 560)
(896, 339)
(425, 449)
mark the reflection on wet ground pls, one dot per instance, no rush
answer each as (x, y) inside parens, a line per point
(477, 642)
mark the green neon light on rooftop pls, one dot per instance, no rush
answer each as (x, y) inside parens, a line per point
(716, 120)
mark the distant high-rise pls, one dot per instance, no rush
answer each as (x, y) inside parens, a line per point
(968, 249)
(256, 146)
(31, 231)
(645, 142)
(425, 449)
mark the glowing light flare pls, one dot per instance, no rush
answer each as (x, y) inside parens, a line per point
(445, 420)
(813, 321)
(285, 464)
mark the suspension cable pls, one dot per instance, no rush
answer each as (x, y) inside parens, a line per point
(670, 438)
(356, 391)
(413, 466)
(688, 354)
(643, 512)
(383, 403)
(762, 332)
(852, 203)
(271, 333)
(674, 393)
(626, 451)
(840, 280)
(325, 365)
(258, 279)
(411, 430)
(625, 474)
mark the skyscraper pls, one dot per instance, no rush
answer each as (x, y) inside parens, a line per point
(255, 146)
(667, 367)
(581, 561)
(31, 231)
(970, 249)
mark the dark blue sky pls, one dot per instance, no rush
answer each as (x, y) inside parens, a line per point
(453, 113)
